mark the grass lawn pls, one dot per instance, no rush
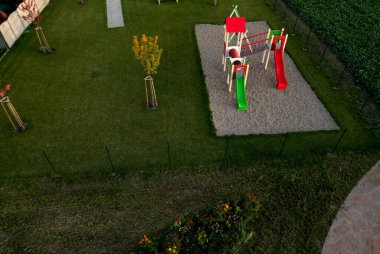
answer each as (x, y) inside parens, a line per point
(89, 93)
(73, 116)
(300, 198)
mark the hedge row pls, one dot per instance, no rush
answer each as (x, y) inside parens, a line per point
(352, 30)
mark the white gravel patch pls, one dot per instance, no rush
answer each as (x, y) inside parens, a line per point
(270, 110)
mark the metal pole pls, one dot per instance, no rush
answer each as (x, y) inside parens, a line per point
(341, 76)
(283, 144)
(47, 158)
(307, 40)
(340, 139)
(295, 24)
(109, 158)
(226, 151)
(286, 8)
(275, 5)
(323, 56)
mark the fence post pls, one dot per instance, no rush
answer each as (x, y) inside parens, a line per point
(225, 160)
(286, 8)
(275, 5)
(364, 104)
(283, 144)
(169, 158)
(322, 57)
(47, 158)
(339, 140)
(307, 40)
(295, 24)
(341, 76)
(110, 160)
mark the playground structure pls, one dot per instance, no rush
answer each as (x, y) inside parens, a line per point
(237, 65)
(10, 111)
(242, 45)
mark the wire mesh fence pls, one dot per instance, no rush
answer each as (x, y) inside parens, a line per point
(223, 152)
(167, 155)
(325, 59)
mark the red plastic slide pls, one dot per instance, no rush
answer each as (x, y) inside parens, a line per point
(280, 72)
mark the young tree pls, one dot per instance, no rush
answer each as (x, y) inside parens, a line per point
(31, 13)
(148, 53)
(10, 111)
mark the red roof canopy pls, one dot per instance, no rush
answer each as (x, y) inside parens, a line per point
(235, 25)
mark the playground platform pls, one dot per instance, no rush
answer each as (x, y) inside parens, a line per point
(270, 111)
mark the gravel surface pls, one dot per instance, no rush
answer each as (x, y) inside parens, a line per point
(270, 110)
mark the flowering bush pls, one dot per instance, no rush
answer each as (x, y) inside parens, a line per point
(3, 91)
(225, 227)
(147, 52)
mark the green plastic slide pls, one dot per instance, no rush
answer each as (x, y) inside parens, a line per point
(240, 90)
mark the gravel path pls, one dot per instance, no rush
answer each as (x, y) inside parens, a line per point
(356, 228)
(114, 14)
(270, 111)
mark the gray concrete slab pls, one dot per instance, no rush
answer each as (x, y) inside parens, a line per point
(356, 228)
(114, 14)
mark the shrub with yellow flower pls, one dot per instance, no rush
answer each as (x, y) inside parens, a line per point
(148, 54)
(147, 244)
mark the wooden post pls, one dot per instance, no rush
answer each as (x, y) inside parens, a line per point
(15, 114)
(286, 40)
(9, 117)
(265, 51)
(269, 50)
(43, 42)
(146, 94)
(153, 92)
(153, 99)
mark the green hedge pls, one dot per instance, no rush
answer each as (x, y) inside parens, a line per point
(224, 228)
(352, 30)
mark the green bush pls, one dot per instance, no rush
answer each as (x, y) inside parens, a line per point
(224, 228)
(352, 30)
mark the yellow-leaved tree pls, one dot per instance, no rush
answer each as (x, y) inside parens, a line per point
(148, 53)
